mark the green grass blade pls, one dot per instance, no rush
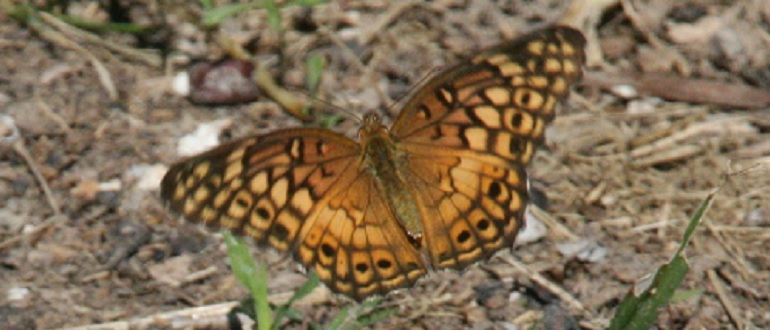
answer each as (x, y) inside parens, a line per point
(639, 312)
(299, 293)
(215, 16)
(252, 275)
(304, 3)
(207, 4)
(273, 16)
(339, 321)
(311, 283)
(642, 311)
(329, 121)
(376, 316)
(315, 67)
(103, 27)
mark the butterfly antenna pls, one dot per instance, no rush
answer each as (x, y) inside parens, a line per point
(329, 105)
(415, 87)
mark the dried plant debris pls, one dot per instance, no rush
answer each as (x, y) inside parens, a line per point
(674, 103)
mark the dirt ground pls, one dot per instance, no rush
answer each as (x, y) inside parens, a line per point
(673, 105)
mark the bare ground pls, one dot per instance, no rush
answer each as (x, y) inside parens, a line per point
(622, 171)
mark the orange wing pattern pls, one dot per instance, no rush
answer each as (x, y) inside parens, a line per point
(471, 132)
(464, 140)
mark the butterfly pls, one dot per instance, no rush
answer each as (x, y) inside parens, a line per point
(443, 188)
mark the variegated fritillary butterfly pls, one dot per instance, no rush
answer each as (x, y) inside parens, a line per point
(443, 188)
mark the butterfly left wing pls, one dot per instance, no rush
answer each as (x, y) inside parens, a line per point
(262, 186)
(302, 191)
(471, 131)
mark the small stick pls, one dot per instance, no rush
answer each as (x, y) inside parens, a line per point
(58, 38)
(10, 135)
(145, 56)
(719, 288)
(550, 286)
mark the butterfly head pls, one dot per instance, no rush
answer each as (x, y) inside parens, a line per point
(372, 127)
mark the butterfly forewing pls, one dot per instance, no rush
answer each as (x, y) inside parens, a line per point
(470, 133)
(263, 186)
(460, 144)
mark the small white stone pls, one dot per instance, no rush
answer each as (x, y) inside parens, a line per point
(205, 137)
(625, 91)
(9, 132)
(17, 293)
(583, 250)
(149, 175)
(111, 185)
(181, 84)
(532, 231)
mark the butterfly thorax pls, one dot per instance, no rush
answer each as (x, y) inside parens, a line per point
(387, 164)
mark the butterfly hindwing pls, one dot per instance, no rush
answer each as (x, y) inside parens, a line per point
(356, 245)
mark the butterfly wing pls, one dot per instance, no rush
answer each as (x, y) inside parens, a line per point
(356, 244)
(300, 190)
(471, 131)
(262, 186)
(468, 133)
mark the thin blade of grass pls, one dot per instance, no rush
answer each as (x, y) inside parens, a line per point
(640, 312)
(315, 67)
(103, 27)
(252, 275)
(299, 293)
(376, 316)
(304, 3)
(339, 320)
(207, 4)
(215, 16)
(329, 121)
(273, 16)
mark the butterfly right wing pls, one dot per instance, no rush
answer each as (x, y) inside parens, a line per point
(470, 133)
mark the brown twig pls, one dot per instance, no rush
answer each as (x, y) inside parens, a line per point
(721, 292)
(142, 55)
(58, 38)
(676, 88)
(46, 224)
(10, 135)
(550, 286)
(212, 316)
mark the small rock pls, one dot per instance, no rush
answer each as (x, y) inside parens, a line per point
(758, 217)
(149, 176)
(556, 318)
(475, 314)
(17, 294)
(533, 231)
(205, 137)
(583, 250)
(172, 271)
(224, 82)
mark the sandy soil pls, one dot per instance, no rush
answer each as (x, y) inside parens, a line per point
(622, 171)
